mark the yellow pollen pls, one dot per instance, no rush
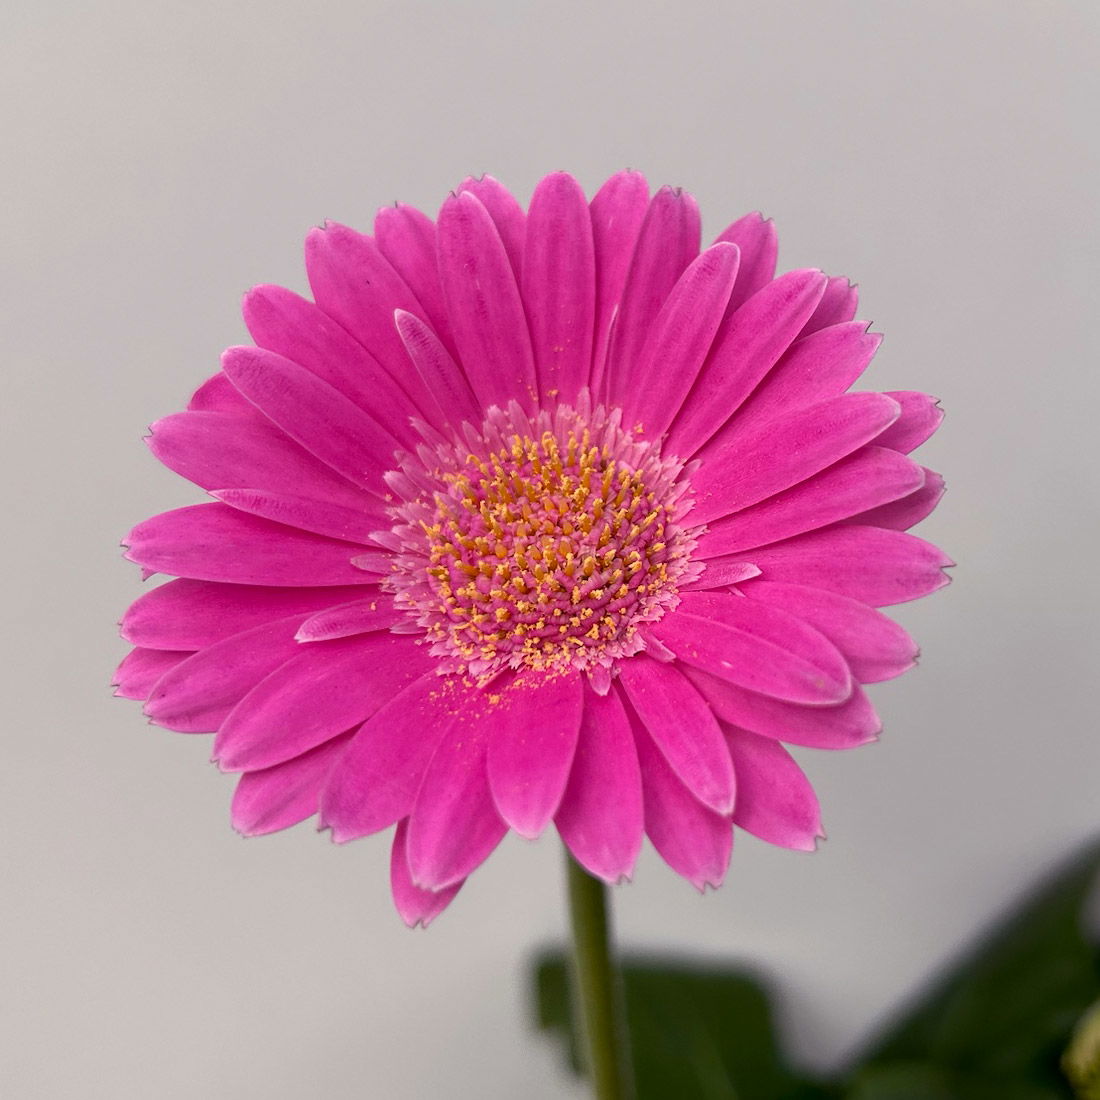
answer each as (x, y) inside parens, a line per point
(547, 549)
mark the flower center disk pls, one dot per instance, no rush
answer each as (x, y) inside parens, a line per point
(542, 542)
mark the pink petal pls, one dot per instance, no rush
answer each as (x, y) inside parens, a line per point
(875, 647)
(314, 414)
(319, 518)
(325, 689)
(754, 465)
(289, 325)
(197, 695)
(774, 798)
(755, 236)
(356, 286)
(869, 477)
(455, 826)
(693, 840)
(534, 735)
(357, 617)
(141, 668)
(875, 566)
(506, 212)
(618, 210)
(276, 798)
(415, 906)
(211, 542)
(902, 514)
(378, 778)
(600, 817)
(484, 305)
(441, 374)
(667, 242)
(683, 727)
(920, 416)
(844, 726)
(813, 368)
(186, 614)
(224, 450)
(406, 237)
(680, 339)
(725, 574)
(755, 647)
(748, 345)
(218, 394)
(559, 286)
(838, 305)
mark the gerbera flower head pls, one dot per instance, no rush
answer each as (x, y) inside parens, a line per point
(533, 518)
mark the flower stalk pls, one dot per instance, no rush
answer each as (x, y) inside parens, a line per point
(597, 989)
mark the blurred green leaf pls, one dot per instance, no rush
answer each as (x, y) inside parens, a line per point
(902, 1081)
(1004, 1013)
(1081, 1060)
(921, 1081)
(696, 1033)
(991, 1027)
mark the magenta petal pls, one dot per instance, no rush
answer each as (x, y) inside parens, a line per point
(484, 306)
(275, 798)
(876, 566)
(211, 542)
(683, 727)
(692, 839)
(871, 476)
(455, 826)
(875, 647)
(227, 450)
(317, 517)
(725, 574)
(314, 414)
(559, 286)
(775, 801)
(600, 818)
(845, 726)
(534, 735)
(747, 346)
(751, 466)
(755, 647)
(141, 668)
(355, 285)
(902, 514)
(406, 237)
(218, 394)
(325, 689)
(414, 905)
(920, 416)
(755, 236)
(838, 305)
(362, 616)
(289, 325)
(378, 778)
(813, 368)
(618, 210)
(680, 339)
(197, 695)
(505, 211)
(439, 371)
(186, 614)
(667, 242)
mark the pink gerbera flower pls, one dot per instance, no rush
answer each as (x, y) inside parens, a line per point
(533, 518)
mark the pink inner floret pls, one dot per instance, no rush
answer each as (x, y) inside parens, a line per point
(540, 541)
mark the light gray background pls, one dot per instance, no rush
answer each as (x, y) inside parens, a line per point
(159, 159)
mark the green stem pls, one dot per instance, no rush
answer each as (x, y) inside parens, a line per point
(597, 988)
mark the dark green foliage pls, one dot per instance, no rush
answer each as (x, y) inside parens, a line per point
(992, 1027)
